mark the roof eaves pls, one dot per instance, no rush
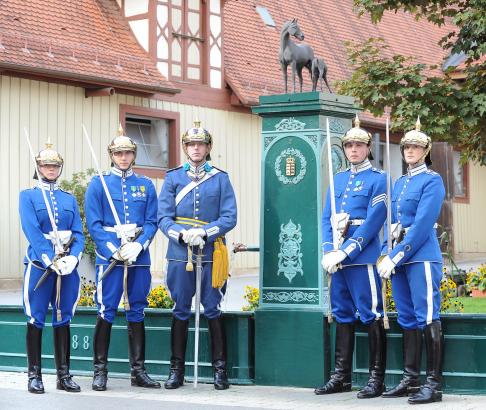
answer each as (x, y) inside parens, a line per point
(90, 79)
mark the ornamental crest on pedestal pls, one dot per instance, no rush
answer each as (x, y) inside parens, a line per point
(294, 159)
(290, 124)
(290, 255)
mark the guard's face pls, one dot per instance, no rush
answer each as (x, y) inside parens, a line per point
(413, 153)
(197, 151)
(356, 152)
(123, 159)
(50, 172)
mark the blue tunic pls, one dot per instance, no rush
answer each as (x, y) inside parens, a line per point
(40, 253)
(209, 203)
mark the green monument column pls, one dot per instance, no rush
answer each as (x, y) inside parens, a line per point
(291, 335)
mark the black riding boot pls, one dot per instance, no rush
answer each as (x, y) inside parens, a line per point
(101, 345)
(340, 381)
(412, 354)
(431, 391)
(178, 341)
(62, 342)
(136, 352)
(218, 350)
(377, 351)
(34, 348)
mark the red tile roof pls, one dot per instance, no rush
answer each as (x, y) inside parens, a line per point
(86, 41)
(251, 48)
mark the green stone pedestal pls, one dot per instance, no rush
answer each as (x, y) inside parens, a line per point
(290, 324)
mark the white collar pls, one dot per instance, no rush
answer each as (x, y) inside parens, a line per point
(417, 170)
(362, 166)
(48, 186)
(197, 169)
(122, 174)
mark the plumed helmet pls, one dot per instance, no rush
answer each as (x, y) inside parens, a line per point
(417, 137)
(357, 134)
(122, 143)
(197, 134)
(49, 156)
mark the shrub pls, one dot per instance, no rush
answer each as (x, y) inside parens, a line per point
(88, 289)
(77, 186)
(159, 298)
(252, 297)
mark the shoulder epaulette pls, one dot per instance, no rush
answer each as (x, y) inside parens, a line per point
(380, 171)
(174, 169)
(106, 173)
(431, 172)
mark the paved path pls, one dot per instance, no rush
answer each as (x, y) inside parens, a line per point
(120, 395)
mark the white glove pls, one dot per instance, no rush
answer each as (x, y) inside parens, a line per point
(331, 260)
(185, 236)
(66, 264)
(117, 256)
(194, 233)
(197, 241)
(385, 267)
(130, 251)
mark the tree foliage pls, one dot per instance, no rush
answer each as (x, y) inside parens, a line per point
(450, 112)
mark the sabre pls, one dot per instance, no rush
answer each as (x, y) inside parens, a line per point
(386, 322)
(54, 229)
(197, 313)
(333, 217)
(105, 188)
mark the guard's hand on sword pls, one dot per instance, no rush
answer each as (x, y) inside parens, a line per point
(130, 251)
(330, 261)
(385, 267)
(197, 241)
(67, 264)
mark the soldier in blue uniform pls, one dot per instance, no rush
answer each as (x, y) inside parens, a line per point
(360, 194)
(61, 286)
(135, 202)
(416, 260)
(197, 207)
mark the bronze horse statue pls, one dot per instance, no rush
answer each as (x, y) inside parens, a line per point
(297, 55)
(319, 73)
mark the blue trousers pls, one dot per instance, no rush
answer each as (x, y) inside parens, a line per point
(109, 292)
(36, 303)
(182, 288)
(356, 291)
(420, 307)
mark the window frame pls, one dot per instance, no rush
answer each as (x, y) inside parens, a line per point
(463, 199)
(173, 118)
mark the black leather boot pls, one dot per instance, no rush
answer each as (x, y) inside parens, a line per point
(377, 350)
(34, 347)
(218, 352)
(431, 391)
(136, 352)
(178, 341)
(412, 354)
(340, 381)
(101, 345)
(62, 342)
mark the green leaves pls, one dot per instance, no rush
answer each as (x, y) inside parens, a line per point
(450, 110)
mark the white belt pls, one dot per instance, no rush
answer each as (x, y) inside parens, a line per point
(357, 222)
(130, 230)
(64, 237)
(436, 225)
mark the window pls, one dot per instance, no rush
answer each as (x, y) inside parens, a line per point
(183, 36)
(156, 135)
(461, 178)
(265, 16)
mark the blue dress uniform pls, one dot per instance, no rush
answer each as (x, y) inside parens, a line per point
(61, 286)
(197, 207)
(416, 261)
(40, 253)
(135, 202)
(355, 290)
(183, 203)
